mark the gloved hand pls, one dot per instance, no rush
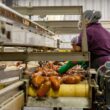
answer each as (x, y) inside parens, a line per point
(69, 65)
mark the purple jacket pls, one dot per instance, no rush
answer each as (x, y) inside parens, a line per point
(98, 44)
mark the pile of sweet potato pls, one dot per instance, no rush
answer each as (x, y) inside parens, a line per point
(47, 77)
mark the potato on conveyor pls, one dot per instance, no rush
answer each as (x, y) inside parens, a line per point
(78, 78)
(69, 79)
(38, 80)
(44, 88)
(55, 83)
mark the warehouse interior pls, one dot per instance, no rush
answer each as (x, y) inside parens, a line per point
(42, 64)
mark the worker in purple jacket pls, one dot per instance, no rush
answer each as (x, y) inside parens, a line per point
(98, 39)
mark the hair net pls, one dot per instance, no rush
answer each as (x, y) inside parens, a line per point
(92, 16)
(74, 40)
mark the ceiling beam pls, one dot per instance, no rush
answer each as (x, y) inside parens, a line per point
(53, 24)
(68, 23)
(66, 27)
(65, 30)
(49, 10)
(61, 27)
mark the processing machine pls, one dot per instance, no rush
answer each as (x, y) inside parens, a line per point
(93, 93)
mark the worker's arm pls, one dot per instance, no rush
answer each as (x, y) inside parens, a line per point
(63, 69)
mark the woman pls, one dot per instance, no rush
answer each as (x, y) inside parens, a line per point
(98, 39)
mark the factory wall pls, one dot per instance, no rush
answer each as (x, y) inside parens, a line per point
(102, 5)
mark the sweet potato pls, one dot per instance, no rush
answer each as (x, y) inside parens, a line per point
(38, 80)
(44, 88)
(77, 78)
(55, 83)
(69, 80)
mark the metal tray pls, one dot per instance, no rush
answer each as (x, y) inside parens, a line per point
(10, 74)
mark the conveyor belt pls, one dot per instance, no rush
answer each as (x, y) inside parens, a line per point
(66, 97)
(71, 90)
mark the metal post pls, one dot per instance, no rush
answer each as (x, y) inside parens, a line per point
(58, 43)
(84, 36)
(30, 16)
